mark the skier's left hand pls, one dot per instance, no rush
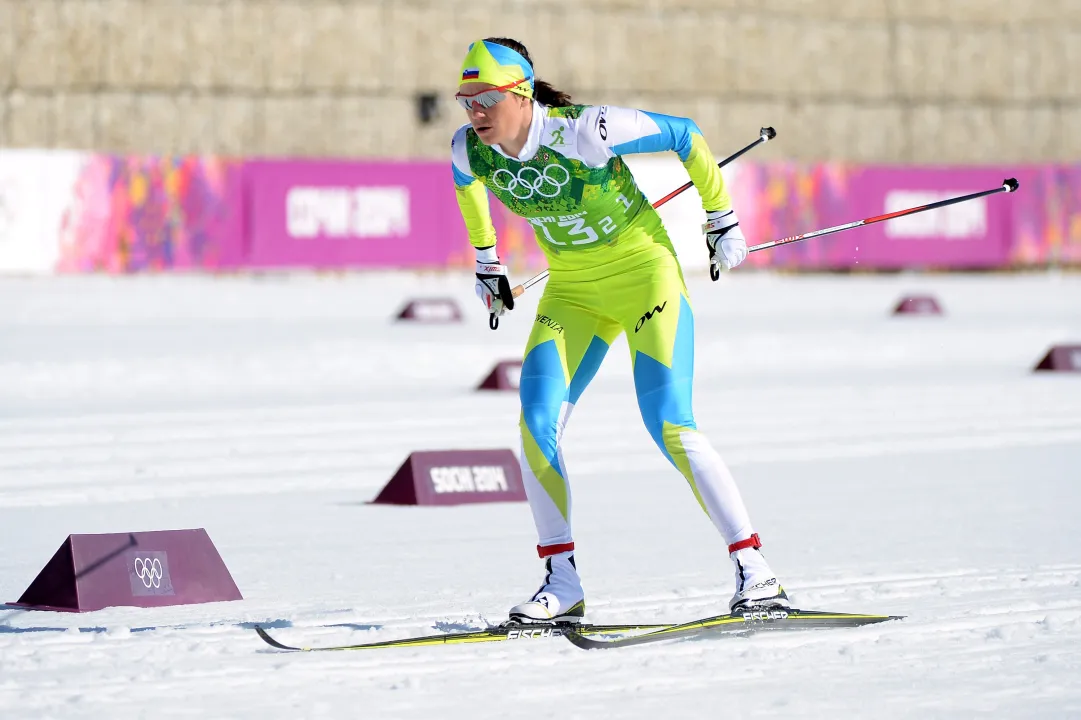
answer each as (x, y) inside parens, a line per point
(493, 289)
(725, 241)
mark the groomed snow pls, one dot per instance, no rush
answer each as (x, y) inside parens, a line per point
(911, 466)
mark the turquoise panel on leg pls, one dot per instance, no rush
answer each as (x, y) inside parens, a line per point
(587, 368)
(542, 390)
(664, 393)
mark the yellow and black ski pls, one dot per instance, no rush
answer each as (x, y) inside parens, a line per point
(506, 631)
(739, 623)
(590, 637)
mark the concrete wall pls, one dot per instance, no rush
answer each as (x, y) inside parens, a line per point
(863, 80)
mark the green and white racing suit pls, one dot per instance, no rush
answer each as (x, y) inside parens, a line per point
(612, 270)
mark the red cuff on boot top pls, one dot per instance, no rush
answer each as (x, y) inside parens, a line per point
(751, 542)
(549, 550)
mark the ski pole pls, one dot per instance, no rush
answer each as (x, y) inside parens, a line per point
(764, 135)
(1008, 185)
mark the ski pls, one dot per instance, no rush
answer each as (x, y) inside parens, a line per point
(740, 623)
(506, 631)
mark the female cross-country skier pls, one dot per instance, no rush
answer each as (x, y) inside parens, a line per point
(612, 270)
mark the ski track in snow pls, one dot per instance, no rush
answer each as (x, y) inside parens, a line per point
(907, 466)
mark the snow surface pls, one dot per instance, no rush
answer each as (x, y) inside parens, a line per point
(909, 466)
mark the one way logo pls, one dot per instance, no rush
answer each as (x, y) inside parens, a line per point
(649, 315)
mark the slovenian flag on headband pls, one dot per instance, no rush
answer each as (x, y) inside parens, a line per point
(470, 73)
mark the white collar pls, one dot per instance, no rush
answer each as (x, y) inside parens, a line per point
(536, 131)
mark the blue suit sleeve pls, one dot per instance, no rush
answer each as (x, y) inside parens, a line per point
(613, 131)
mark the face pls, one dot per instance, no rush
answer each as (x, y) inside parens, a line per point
(499, 123)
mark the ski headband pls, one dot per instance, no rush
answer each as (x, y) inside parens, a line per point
(491, 63)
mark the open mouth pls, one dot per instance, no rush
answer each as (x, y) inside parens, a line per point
(482, 128)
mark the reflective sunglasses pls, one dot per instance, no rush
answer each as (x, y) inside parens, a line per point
(486, 98)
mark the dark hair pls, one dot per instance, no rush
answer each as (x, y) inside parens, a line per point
(542, 91)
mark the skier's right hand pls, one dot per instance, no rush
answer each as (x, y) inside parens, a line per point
(724, 240)
(493, 289)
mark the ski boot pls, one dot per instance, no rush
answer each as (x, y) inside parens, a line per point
(560, 598)
(756, 585)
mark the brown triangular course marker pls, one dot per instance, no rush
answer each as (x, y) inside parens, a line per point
(504, 376)
(431, 310)
(139, 569)
(55, 586)
(1061, 358)
(400, 489)
(918, 305)
(455, 477)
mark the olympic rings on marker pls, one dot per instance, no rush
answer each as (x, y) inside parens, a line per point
(149, 571)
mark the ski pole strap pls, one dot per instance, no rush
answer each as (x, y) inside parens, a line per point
(550, 550)
(751, 542)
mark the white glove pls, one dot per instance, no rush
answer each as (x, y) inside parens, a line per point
(724, 239)
(493, 289)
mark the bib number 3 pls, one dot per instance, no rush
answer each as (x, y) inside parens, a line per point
(573, 230)
(578, 226)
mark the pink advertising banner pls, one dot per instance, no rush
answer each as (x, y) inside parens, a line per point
(779, 200)
(1046, 227)
(85, 212)
(142, 213)
(328, 214)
